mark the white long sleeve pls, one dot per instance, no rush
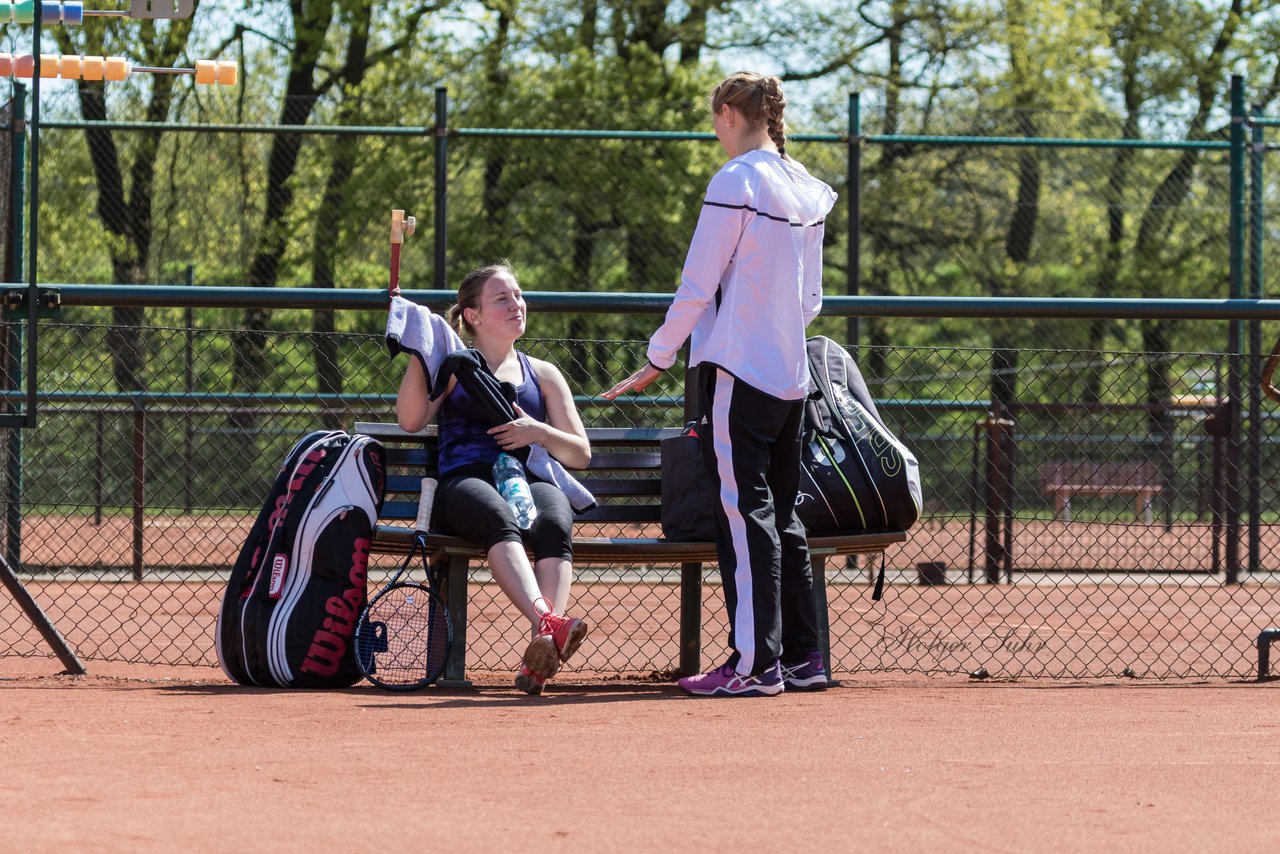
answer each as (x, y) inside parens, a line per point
(752, 280)
(725, 213)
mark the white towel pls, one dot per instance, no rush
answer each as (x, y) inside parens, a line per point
(417, 330)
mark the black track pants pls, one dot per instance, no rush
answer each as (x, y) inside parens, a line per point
(751, 446)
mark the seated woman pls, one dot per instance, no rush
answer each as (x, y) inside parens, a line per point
(491, 311)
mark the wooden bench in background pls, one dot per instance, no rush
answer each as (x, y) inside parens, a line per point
(1063, 479)
(625, 475)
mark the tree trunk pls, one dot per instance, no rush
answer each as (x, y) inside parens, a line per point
(128, 217)
(327, 241)
(311, 24)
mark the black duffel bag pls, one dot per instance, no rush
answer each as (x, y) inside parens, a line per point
(688, 500)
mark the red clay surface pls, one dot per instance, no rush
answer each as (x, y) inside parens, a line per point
(880, 764)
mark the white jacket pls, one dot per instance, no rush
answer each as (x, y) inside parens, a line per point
(752, 280)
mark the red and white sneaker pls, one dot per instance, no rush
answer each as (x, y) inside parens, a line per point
(529, 682)
(566, 632)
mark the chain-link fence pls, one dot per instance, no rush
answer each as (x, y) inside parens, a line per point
(1060, 537)
(1082, 477)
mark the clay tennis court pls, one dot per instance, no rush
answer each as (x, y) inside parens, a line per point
(613, 757)
(182, 760)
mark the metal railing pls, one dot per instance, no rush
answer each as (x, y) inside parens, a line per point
(134, 504)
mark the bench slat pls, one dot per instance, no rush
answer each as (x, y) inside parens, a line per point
(394, 540)
(599, 435)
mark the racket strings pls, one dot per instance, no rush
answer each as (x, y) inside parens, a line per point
(405, 637)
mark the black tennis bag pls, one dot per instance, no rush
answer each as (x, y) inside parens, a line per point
(855, 474)
(290, 609)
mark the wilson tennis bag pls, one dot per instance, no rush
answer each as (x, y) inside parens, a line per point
(855, 474)
(290, 609)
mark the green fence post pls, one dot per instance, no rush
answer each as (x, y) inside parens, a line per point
(442, 177)
(17, 203)
(33, 222)
(1237, 201)
(189, 383)
(1255, 346)
(139, 484)
(854, 275)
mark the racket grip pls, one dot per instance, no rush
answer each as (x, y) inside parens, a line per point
(424, 505)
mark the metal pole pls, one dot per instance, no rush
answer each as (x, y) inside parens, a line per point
(854, 276)
(1256, 354)
(41, 621)
(1234, 385)
(189, 380)
(1216, 472)
(17, 205)
(973, 495)
(442, 178)
(100, 474)
(1009, 440)
(996, 494)
(139, 483)
(33, 221)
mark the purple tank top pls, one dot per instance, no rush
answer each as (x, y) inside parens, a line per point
(464, 438)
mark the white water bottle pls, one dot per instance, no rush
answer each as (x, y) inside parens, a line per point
(508, 476)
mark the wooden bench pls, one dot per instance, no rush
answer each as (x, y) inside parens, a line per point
(1062, 479)
(626, 478)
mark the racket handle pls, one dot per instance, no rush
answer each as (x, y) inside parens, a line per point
(424, 505)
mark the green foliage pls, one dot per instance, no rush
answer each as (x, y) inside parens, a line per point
(611, 215)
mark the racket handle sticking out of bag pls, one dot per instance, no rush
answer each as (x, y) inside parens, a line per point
(405, 633)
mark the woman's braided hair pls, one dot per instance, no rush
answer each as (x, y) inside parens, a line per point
(759, 99)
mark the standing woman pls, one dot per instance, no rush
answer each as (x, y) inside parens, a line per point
(491, 311)
(752, 283)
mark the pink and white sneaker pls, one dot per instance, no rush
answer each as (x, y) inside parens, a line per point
(806, 675)
(724, 681)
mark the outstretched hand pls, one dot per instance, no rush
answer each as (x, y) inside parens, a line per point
(636, 382)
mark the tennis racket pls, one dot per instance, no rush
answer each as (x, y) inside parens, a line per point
(401, 227)
(405, 633)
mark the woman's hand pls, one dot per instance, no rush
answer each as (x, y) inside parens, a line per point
(520, 433)
(636, 382)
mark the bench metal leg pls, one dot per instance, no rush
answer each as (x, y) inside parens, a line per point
(690, 619)
(455, 598)
(1144, 502)
(818, 566)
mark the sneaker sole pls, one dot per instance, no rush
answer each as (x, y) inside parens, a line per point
(577, 635)
(813, 683)
(529, 684)
(541, 657)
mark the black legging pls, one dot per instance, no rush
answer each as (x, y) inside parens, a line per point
(468, 505)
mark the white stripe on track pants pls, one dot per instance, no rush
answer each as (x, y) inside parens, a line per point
(751, 446)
